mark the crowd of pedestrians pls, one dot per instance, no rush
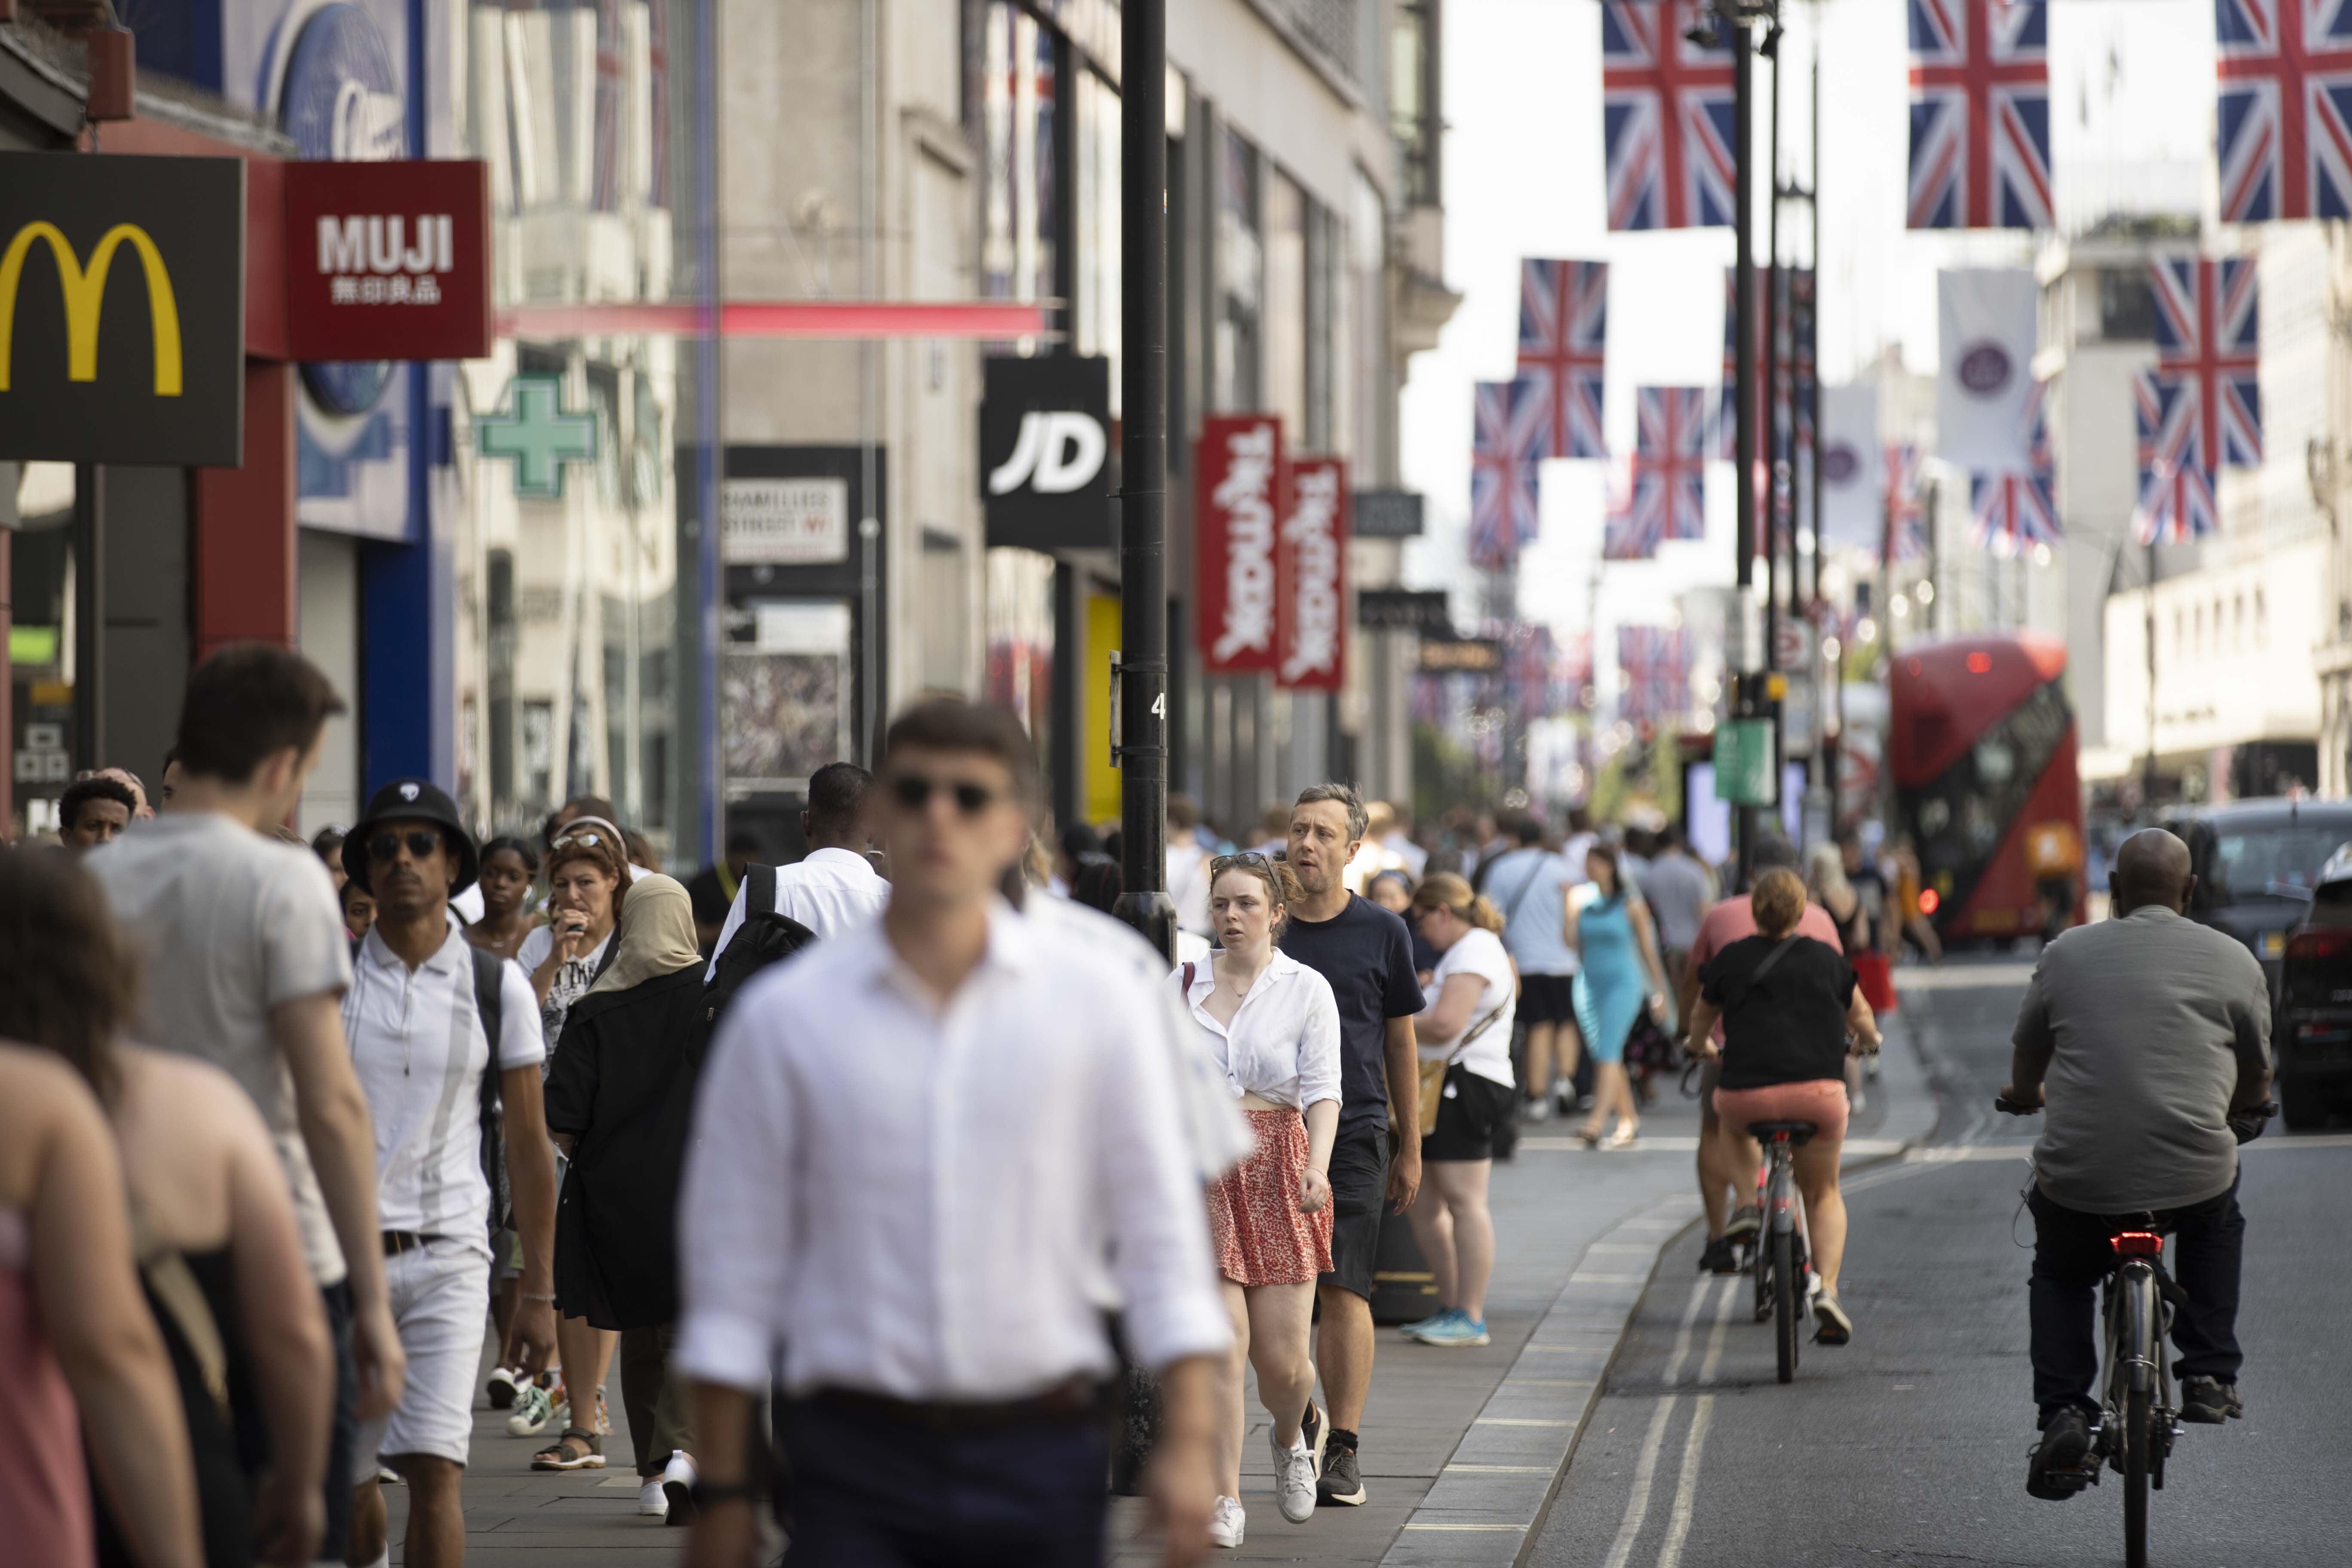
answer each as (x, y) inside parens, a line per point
(841, 1160)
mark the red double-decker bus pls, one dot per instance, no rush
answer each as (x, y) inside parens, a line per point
(1981, 757)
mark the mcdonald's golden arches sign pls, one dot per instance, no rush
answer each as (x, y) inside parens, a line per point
(121, 309)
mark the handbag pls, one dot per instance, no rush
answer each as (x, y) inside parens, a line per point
(1433, 1073)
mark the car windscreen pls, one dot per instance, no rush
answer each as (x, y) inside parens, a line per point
(2249, 861)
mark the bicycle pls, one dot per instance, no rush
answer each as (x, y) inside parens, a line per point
(2140, 1414)
(1781, 1259)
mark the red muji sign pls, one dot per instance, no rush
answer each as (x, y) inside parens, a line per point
(1310, 602)
(388, 260)
(1241, 493)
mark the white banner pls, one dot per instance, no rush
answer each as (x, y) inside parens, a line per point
(1853, 468)
(1987, 357)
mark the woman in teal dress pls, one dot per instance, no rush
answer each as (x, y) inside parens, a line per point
(1620, 974)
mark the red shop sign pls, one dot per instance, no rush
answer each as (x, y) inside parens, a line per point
(1240, 495)
(1310, 612)
(388, 260)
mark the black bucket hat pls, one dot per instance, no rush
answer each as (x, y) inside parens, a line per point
(411, 800)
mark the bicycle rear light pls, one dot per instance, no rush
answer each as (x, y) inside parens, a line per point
(2139, 1244)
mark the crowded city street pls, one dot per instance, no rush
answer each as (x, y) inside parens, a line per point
(1122, 784)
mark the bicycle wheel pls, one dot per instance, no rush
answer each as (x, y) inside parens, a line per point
(1759, 1262)
(2139, 1438)
(1787, 1304)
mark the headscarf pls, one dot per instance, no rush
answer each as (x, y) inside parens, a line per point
(655, 936)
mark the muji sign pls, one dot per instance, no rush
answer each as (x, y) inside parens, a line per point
(1240, 495)
(388, 260)
(1311, 577)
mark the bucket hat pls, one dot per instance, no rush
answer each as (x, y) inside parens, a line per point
(411, 800)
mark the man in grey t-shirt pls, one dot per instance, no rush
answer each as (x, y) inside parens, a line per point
(2149, 1033)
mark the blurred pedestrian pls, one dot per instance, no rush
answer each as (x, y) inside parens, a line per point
(1676, 889)
(327, 844)
(620, 1101)
(443, 1036)
(834, 887)
(508, 866)
(712, 889)
(1619, 977)
(1271, 1024)
(1727, 1160)
(246, 962)
(1465, 1064)
(1529, 887)
(94, 811)
(1363, 951)
(1188, 865)
(359, 910)
(846, 1204)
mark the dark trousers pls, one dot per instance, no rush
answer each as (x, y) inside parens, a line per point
(2073, 1251)
(655, 1399)
(873, 1491)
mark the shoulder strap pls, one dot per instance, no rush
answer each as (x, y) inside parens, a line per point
(758, 889)
(488, 968)
(174, 1286)
(1534, 871)
(488, 971)
(1189, 968)
(1765, 967)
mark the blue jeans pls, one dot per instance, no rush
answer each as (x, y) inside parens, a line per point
(2073, 1251)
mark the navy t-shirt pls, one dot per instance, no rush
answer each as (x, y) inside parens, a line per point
(1364, 952)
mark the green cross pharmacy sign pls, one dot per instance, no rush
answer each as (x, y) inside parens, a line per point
(538, 435)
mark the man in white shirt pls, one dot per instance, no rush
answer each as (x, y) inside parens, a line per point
(833, 887)
(1188, 865)
(421, 1043)
(933, 1225)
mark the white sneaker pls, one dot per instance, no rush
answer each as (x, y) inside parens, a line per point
(652, 1501)
(678, 1483)
(1225, 1524)
(1294, 1479)
(533, 1408)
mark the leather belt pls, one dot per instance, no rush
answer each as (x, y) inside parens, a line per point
(1077, 1399)
(396, 1242)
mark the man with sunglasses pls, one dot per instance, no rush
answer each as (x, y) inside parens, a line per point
(928, 1155)
(421, 1043)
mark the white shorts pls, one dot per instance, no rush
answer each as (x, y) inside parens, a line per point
(440, 1297)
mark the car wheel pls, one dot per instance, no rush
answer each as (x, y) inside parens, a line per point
(2301, 1106)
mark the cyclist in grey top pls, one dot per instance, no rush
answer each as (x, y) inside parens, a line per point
(2149, 1034)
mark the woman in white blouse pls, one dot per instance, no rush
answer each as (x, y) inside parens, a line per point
(1464, 1035)
(1272, 1024)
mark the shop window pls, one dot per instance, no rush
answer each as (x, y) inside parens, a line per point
(1284, 321)
(1413, 122)
(1015, 112)
(1241, 273)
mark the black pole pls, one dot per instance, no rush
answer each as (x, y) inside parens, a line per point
(1767, 410)
(2147, 776)
(91, 605)
(1812, 322)
(1744, 374)
(1142, 676)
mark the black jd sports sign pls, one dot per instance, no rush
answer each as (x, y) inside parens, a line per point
(1045, 452)
(121, 309)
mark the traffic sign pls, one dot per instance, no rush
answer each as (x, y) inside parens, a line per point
(1792, 644)
(1743, 761)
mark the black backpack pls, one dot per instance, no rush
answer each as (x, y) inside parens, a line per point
(487, 967)
(764, 937)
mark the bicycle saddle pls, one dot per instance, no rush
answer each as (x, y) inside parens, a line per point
(1796, 1132)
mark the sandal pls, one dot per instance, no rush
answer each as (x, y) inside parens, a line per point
(577, 1449)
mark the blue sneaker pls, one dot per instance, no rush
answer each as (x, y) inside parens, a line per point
(1414, 1331)
(1455, 1329)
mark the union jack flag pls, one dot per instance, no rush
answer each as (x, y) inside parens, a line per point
(1564, 340)
(1905, 507)
(1791, 409)
(1979, 114)
(2208, 332)
(1511, 425)
(1617, 542)
(1654, 668)
(2176, 483)
(2283, 142)
(2011, 512)
(1666, 116)
(1669, 467)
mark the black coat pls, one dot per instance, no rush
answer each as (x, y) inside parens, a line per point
(622, 1084)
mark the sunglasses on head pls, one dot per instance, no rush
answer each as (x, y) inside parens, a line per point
(1225, 863)
(589, 837)
(421, 842)
(914, 792)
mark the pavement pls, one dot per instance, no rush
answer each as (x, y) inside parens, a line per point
(1908, 1446)
(1463, 1451)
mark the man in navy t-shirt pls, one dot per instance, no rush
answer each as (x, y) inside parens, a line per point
(1365, 953)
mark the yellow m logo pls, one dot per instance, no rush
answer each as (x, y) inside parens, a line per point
(85, 295)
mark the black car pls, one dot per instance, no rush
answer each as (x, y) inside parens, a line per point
(2257, 863)
(2311, 1039)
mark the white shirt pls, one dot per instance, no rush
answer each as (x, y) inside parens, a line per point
(1489, 1056)
(418, 1045)
(1283, 1042)
(947, 1210)
(1188, 882)
(828, 890)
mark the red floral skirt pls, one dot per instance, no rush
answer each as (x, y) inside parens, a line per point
(1253, 1219)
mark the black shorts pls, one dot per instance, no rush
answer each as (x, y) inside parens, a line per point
(1547, 998)
(1469, 1108)
(1359, 1190)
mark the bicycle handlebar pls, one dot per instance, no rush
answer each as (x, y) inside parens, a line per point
(2013, 1107)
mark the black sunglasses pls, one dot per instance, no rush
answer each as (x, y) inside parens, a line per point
(421, 842)
(1223, 863)
(913, 791)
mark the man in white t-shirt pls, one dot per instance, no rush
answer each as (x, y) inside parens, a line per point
(1188, 865)
(421, 1043)
(1529, 887)
(833, 887)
